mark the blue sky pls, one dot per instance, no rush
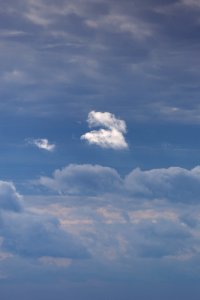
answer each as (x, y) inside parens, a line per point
(100, 149)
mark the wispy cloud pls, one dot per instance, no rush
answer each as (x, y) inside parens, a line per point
(42, 144)
(110, 137)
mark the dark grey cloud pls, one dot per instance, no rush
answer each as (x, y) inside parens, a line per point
(136, 52)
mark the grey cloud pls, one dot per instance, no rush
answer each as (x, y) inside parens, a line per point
(83, 179)
(163, 238)
(31, 236)
(174, 184)
(10, 200)
(119, 51)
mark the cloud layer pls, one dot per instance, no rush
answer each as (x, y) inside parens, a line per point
(112, 136)
(27, 234)
(147, 217)
(147, 214)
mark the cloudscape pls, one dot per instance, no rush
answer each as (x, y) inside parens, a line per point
(100, 149)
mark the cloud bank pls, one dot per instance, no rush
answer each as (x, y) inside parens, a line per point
(148, 214)
(173, 184)
(112, 136)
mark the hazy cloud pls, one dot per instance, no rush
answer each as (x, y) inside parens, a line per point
(30, 235)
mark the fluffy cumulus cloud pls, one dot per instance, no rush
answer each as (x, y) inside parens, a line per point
(83, 180)
(110, 137)
(173, 184)
(42, 144)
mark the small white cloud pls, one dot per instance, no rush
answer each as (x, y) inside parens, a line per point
(112, 136)
(42, 144)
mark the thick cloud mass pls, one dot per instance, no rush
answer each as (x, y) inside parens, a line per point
(83, 180)
(149, 217)
(30, 235)
(172, 184)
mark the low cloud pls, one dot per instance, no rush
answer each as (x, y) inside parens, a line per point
(83, 180)
(42, 144)
(31, 235)
(10, 200)
(110, 137)
(173, 184)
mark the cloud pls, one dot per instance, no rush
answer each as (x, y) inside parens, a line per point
(10, 200)
(152, 231)
(107, 120)
(112, 136)
(119, 225)
(83, 180)
(42, 144)
(31, 235)
(172, 184)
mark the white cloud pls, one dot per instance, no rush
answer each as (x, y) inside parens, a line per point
(112, 136)
(42, 144)
(107, 120)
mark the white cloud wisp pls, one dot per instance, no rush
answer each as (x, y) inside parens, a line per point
(42, 144)
(112, 136)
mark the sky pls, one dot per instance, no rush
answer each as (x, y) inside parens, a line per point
(99, 149)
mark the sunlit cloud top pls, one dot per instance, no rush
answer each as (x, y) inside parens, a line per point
(110, 137)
